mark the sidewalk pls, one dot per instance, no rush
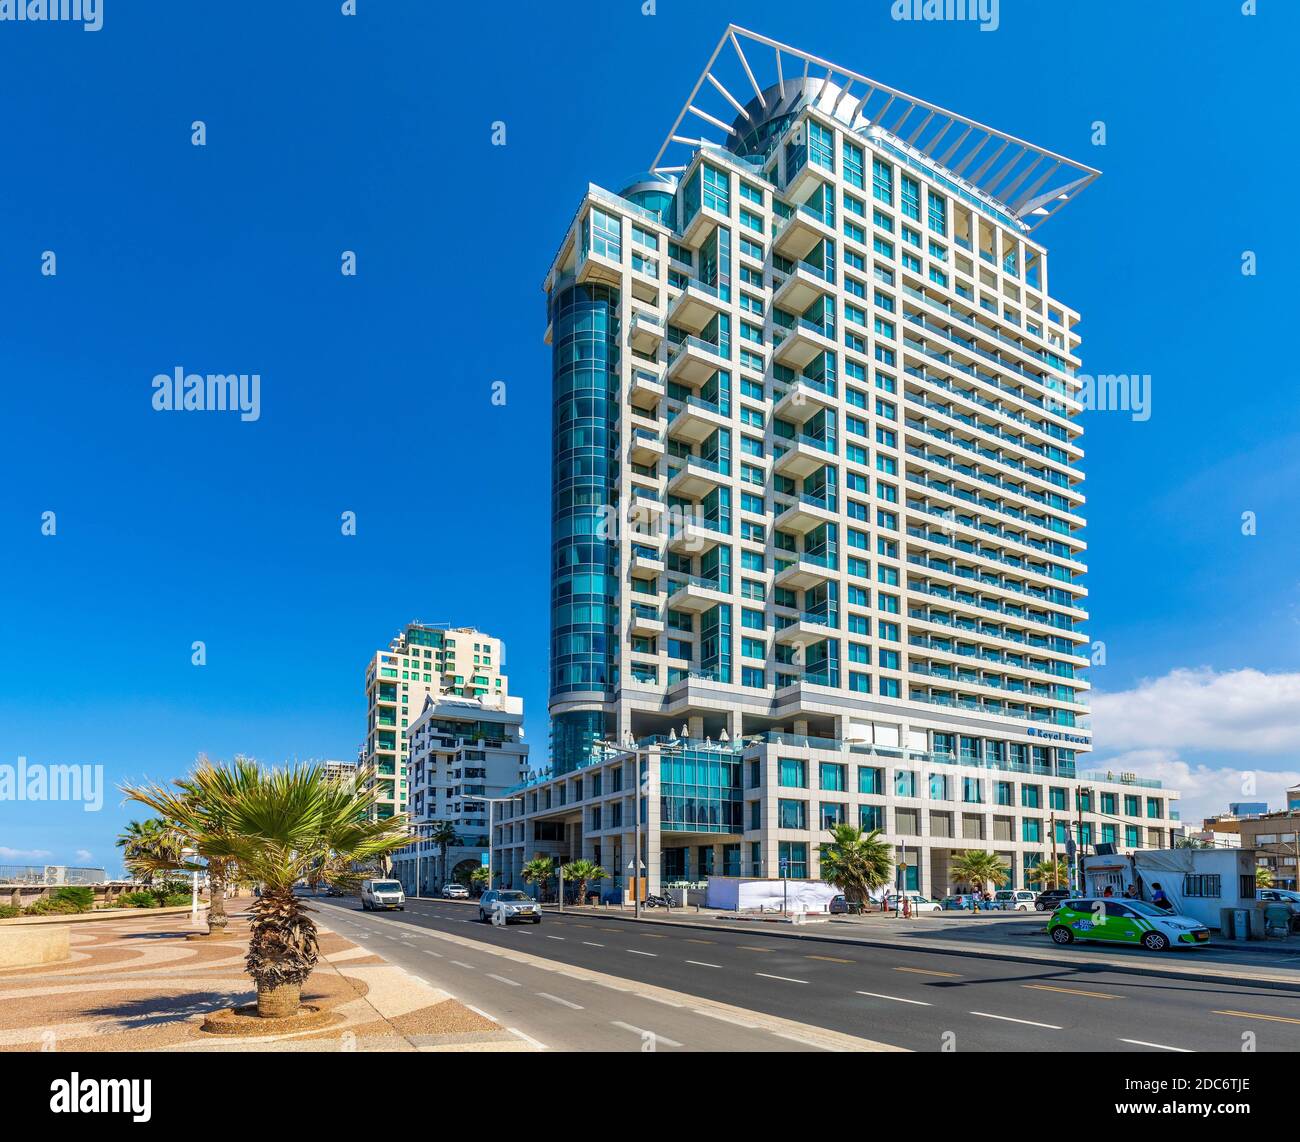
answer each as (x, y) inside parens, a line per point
(1002, 935)
(138, 984)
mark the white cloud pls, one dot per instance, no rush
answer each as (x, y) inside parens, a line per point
(1206, 790)
(84, 854)
(24, 854)
(1239, 710)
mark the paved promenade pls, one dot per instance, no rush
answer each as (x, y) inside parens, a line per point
(137, 984)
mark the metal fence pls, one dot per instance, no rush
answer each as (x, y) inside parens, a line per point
(50, 874)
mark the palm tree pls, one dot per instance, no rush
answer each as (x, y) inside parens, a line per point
(148, 847)
(200, 816)
(977, 868)
(1263, 877)
(539, 871)
(480, 876)
(855, 862)
(282, 824)
(444, 835)
(582, 871)
(1049, 873)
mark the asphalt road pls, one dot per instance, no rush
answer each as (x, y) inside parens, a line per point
(920, 1000)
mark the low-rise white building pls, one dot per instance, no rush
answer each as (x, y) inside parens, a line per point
(462, 750)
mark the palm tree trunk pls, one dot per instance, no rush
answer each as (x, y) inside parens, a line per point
(217, 918)
(280, 1001)
(282, 950)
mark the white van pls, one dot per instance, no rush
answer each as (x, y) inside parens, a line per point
(377, 895)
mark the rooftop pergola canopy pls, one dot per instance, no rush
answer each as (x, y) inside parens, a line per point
(753, 87)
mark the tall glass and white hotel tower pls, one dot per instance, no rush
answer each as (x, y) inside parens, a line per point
(817, 503)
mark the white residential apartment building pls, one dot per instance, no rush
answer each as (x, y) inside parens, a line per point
(817, 503)
(422, 661)
(462, 751)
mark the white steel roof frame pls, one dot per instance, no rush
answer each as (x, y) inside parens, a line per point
(1031, 206)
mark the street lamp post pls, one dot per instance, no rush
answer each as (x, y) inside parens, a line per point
(490, 802)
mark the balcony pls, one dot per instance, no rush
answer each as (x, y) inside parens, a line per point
(804, 342)
(696, 305)
(804, 399)
(696, 479)
(806, 630)
(646, 561)
(701, 222)
(645, 446)
(645, 502)
(806, 571)
(696, 594)
(802, 231)
(696, 421)
(804, 456)
(694, 537)
(646, 386)
(645, 330)
(645, 623)
(694, 361)
(805, 285)
(806, 513)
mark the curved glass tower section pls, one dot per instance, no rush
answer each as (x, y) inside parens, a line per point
(585, 361)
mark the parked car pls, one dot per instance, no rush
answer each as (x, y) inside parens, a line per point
(335, 890)
(838, 906)
(1125, 922)
(1015, 899)
(1050, 899)
(919, 903)
(1278, 896)
(513, 904)
(455, 892)
(957, 902)
(379, 895)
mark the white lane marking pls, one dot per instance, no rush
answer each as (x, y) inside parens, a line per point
(555, 937)
(636, 953)
(527, 1038)
(590, 944)
(786, 978)
(896, 998)
(1158, 1046)
(502, 979)
(802, 1042)
(1008, 1019)
(431, 952)
(725, 1018)
(462, 964)
(643, 1033)
(702, 964)
(561, 1002)
(480, 1011)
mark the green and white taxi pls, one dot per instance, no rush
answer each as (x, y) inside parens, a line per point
(1125, 922)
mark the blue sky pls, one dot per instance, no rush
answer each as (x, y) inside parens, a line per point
(371, 133)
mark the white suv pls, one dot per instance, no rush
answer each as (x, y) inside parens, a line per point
(1015, 899)
(455, 892)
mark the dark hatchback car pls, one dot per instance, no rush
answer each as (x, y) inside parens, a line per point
(1049, 900)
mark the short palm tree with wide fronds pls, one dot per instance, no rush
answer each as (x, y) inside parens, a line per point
(198, 813)
(283, 825)
(149, 847)
(1049, 873)
(855, 862)
(978, 868)
(539, 871)
(583, 871)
